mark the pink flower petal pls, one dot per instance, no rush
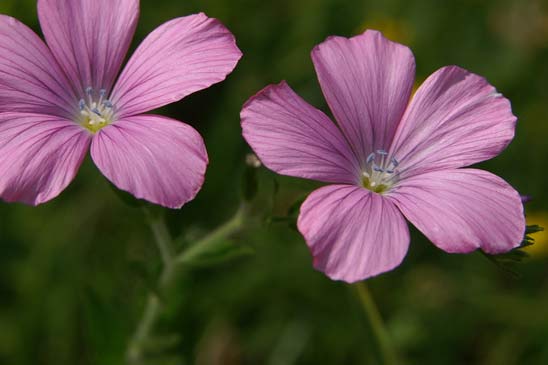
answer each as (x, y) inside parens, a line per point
(367, 81)
(353, 233)
(455, 119)
(293, 138)
(152, 157)
(39, 156)
(462, 210)
(89, 38)
(30, 79)
(180, 57)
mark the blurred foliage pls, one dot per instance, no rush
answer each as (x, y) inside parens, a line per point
(74, 273)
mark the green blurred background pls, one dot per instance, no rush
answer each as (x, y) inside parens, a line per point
(74, 273)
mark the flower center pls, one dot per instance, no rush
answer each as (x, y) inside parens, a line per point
(380, 172)
(96, 111)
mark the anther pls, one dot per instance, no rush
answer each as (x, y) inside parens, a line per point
(82, 104)
(89, 90)
(381, 172)
(102, 92)
(96, 111)
(107, 103)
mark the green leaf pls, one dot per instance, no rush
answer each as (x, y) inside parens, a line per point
(533, 229)
(508, 260)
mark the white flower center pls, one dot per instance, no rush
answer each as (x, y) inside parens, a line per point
(96, 111)
(380, 172)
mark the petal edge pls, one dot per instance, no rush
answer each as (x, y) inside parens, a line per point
(40, 156)
(89, 38)
(154, 158)
(455, 119)
(367, 82)
(462, 210)
(293, 138)
(180, 57)
(353, 234)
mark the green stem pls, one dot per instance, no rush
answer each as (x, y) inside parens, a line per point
(161, 236)
(172, 262)
(382, 339)
(227, 229)
(144, 328)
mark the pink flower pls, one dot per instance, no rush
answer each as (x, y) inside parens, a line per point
(58, 100)
(389, 158)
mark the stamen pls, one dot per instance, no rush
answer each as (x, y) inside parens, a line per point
(380, 174)
(102, 94)
(97, 111)
(89, 93)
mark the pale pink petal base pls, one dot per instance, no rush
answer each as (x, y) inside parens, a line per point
(463, 210)
(367, 81)
(180, 57)
(40, 156)
(293, 138)
(353, 233)
(455, 119)
(152, 157)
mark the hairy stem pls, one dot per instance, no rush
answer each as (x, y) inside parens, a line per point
(380, 334)
(171, 263)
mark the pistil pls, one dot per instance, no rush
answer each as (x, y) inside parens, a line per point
(380, 172)
(95, 113)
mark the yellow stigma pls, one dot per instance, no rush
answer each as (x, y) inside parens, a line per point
(96, 111)
(380, 171)
(93, 124)
(371, 185)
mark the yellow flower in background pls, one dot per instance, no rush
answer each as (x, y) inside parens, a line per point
(396, 30)
(540, 248)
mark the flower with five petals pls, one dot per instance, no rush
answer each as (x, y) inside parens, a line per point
(389, 156)
(62, 97)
